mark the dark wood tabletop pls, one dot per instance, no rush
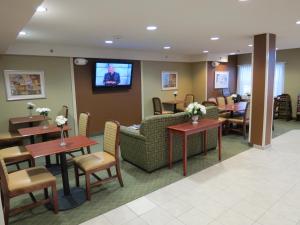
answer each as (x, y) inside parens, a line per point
(40, 130)
(53, 147)
(236, 107)
(173, 102)
(188, 127)
(28, 119)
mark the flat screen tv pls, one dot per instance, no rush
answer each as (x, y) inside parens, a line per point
(109, 74)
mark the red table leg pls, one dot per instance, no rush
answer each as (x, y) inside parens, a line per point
(205, 142)
(184, 153)
(220, 141)
(170, 133)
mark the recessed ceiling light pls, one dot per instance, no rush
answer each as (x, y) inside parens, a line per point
(109, 42)
(250, 45)
(232, 53)
(298, 22)
(41, 9)
(205, 51)
(243, 0)
(22, 33)
(167, 47)
(151, 27)
(214, 38)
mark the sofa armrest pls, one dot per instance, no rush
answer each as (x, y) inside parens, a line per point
(132, 133)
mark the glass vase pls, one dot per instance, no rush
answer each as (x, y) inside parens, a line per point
(195, 119)
(30, 113)
(62, 138)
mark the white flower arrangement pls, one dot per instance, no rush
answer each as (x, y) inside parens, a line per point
(196, 109)
(30, 105)
(43, 111)
(61, 120)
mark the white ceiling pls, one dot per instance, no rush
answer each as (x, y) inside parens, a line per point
(184, 25)
(14, 14)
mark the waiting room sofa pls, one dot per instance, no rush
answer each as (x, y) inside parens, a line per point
(147, 148)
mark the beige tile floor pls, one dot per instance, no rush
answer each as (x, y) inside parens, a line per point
(256, 187)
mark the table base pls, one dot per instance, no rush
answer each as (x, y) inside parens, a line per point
(76, 198)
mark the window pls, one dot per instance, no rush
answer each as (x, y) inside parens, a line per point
(244, 82)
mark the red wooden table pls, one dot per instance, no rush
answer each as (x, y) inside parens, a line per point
(186, 129)
(28, 119)
(68, 198)
(236, 107)
(174, 103)
(43, 131)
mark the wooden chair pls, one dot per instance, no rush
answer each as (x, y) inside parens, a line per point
(10, 138)
(25, 182)
(189, 98)
(16, 155)
(83, 129)
(243, 121)
(221, 118)
(212, 99)
(229, 100)
(158, 108)
(91, 163)
(221, 101)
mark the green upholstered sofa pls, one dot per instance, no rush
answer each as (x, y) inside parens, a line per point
(147, 148)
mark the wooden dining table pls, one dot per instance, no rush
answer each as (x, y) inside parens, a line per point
(236, 107)
(30, 120)
(68, 197)
(43, 131)
(174, 103)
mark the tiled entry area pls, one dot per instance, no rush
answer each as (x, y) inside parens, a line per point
(259, 187)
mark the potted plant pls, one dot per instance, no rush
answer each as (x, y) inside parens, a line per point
(195, 110)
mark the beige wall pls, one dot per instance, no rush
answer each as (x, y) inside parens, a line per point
(199, 79)
(292, 71)
(151, 72)
(58, 86)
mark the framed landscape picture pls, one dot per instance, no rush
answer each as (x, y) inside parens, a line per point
(23, 84)
(169, 80)
(221, 79)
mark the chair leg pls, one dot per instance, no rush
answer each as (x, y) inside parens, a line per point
(76, 175)
(119, 175)
(46, 194)
(88, 149)
(109, 172)
(31, 162)
(82, 151)
(18, 166)
(54, 198)
(6, 209)
(88, 186)
(244, 130)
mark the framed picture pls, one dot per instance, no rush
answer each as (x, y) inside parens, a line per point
(169, 80)
(23, 84)
(221, 79)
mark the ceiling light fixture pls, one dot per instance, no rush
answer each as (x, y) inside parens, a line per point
(167, 47)
(250, 45)
(151, 28)
(205, 51)
(232, 53)
(22, 33)
(109, 42)
(214, 38)
(243, 0)
(41, 9)
(298, 22)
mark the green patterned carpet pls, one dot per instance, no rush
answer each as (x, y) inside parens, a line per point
(136, 183)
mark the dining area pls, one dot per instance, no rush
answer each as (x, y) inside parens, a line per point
(36, 154)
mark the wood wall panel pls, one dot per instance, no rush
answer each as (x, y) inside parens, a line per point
(230, 66)
(123, 105)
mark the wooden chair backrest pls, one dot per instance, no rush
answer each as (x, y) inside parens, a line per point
(83, 124)
(189, 98)
(157, 107)
(212, 99)
(111, 138)
(3, 177)
(221, 101)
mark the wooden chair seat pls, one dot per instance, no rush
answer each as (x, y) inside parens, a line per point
(237, 120)
(94, 161)
(29, 179)
(15, 154)
(10, 139)
(222, 119)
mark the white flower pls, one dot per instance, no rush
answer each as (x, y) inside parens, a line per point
(195, 108)
(42, 110)
(60, 120)
(30, 104)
